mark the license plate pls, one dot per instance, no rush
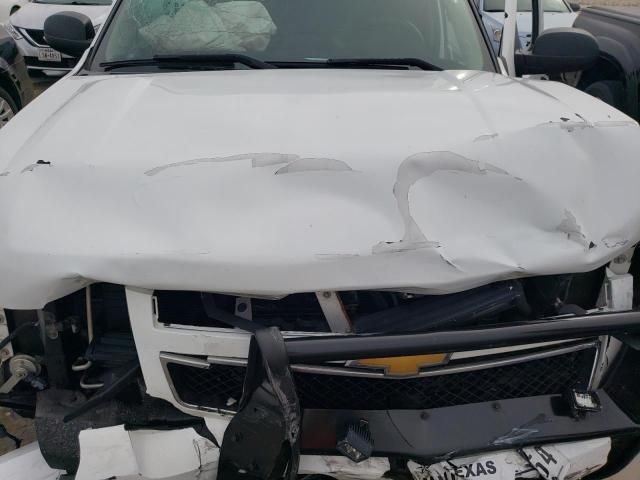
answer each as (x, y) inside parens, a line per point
(549, 462)
(49, 55)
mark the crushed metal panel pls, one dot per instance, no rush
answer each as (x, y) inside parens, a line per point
(568, 461)
(562, 461)
(115, 452)
(26, 463)
(104, 453)
(341, 468)
(162, 202)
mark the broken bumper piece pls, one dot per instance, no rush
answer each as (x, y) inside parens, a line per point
(550, 462)
(433, 434)
(264, 439)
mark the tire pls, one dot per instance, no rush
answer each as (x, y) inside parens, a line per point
(8, 107)
(609, 91)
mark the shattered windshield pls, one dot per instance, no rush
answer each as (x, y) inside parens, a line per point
(441, 32)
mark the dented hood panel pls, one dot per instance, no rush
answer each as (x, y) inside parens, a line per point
(272, 182)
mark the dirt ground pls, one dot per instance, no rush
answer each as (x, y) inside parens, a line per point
(16, 426)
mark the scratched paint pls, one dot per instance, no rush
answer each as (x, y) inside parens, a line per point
(310, 181)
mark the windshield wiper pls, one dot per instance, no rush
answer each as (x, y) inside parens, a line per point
(223, 59)
(189, 61)
(356, 63)
(374, 62)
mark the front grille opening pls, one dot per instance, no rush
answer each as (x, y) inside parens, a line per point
(623, 382)
(67, 63)
(299, 312)
(37, 36)
(220, 386)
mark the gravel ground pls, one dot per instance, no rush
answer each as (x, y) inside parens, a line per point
(17, 426)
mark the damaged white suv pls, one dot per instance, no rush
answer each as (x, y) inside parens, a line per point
(269, 239)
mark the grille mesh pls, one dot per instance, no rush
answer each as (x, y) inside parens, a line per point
(553, 375)
(37, 36)
(217, 387)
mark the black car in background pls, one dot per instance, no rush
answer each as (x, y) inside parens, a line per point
(15, 87)
(615, 79)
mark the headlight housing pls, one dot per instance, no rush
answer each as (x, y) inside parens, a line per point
(13, 31)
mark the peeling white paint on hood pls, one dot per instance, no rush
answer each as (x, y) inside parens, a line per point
(272, 182)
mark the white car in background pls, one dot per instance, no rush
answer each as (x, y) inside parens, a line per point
(9, 7)
(557, 13)
(27, 28)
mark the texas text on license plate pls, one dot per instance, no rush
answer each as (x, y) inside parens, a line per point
(547, 462)
(49, 55)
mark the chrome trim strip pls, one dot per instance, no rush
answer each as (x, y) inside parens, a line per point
(166, 359)
(52, 69)
(234, 362)
(470, 355)
(445, 370)
(599, 361)
(184, 360)
(29, 38)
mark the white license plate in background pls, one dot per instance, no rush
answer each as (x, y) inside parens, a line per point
(49, 55)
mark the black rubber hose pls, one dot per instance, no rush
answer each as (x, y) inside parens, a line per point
(21, 329)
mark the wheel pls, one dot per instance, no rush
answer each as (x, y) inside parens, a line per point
(8, 108)
(609, 91)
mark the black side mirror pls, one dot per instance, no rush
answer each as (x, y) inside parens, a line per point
(69, 32)
(575, 6)
(559, 50)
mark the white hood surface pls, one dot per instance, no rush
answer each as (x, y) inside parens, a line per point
(273, 182)
(33, 15)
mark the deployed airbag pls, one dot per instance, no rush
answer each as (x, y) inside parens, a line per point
(198, 27)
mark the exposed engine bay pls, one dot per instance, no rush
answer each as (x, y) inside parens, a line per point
(529, 378)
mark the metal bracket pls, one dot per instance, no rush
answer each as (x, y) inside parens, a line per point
(262, 440)
(20, 366)
(334, 312)
(622, 263)
(243, 308)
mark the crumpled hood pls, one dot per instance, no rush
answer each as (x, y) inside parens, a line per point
(272, 182)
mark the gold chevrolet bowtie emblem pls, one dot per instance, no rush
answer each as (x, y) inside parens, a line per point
(401, 366)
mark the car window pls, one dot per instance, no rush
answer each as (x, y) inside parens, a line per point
(556, 6)
(442, 32)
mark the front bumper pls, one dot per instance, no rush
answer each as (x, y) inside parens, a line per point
(270, 412)
(429, 436)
